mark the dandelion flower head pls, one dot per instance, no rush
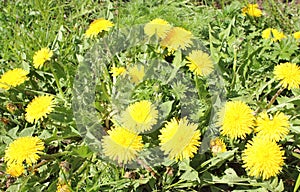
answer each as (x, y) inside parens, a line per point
(157, 26)
(62, 187)
(140, 116)
(41, 56)
(217, 146)
(15, 169)
(136, 73)
(13, 78)
(122, 145)
(24, 149)
(252, 10)
(288, 74)
(274, 34)
(116, 71)
(98, 26)
(39, 108)
(177, 38)
(263, 158)
(296, 35)
(180, 140)
(200, 63)
(275, 128)
(236, 119)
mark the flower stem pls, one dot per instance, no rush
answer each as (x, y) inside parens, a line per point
(275, 97)
(197, 86)
(54, 156)
(148, 168)
(57, 83)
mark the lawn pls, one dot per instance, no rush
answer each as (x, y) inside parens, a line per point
(149, 95)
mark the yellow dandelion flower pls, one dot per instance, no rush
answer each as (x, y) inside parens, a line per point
(122, 145)
(296, 35)
(98, 26)
(263, 158)
(179, 139)
(236, 119)
(39, 108)
(275, 128)
(199, 63)
(288, 74)
(15, 169)
(278, 35)
(267, 33)
(177, 38)
(217, 146)
(274, 34)
(136, 74)
(157, 26)
(252, 10)
(13, 78)
(41, 56)
(140, 116)
(24, 149)
(116, 71)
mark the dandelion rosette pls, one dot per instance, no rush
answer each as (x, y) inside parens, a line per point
(41, 56)
(98, 26)
(263, 158)
(275, 128)
(13, 78)
(24, 149)
(39, 108)
(179, 139)
(199, 63)
(236, 119)
(140, 116)
(122, 145)
(148, 71)
(288, 74)
(157, 27)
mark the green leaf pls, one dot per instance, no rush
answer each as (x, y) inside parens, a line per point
(15, 187)
(83, 151)
(296, 155)
(168, 162)
(184, 165)
(252, 190)
(166, 108)
(6, 139)
(219, 159)
(295, 129)
(280, 186)
(177, 61)
(190, 175)
(45, 135)
(13, 132)
(297, 183)
(27, 132)
(296, 92)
